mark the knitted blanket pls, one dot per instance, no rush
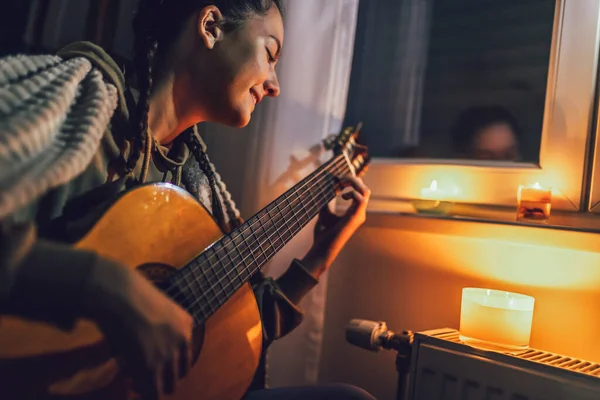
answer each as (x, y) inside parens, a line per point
(53, 114)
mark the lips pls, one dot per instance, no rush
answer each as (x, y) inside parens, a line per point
(255, 97)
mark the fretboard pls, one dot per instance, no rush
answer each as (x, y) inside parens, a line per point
(206, 283)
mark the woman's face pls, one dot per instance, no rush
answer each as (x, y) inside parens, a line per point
(496, 142)
(229, 73)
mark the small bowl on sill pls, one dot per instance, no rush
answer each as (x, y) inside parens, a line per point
(434, 207)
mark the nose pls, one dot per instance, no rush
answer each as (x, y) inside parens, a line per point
(271, 85)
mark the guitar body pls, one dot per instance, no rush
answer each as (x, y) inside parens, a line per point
(156, 229)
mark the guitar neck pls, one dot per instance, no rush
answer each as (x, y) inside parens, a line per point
(207, 282)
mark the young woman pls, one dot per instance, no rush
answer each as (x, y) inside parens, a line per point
(196, 61)
(487, 133)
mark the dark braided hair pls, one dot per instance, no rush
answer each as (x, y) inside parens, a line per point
(204, 163)
(156, 25)
(145, 47)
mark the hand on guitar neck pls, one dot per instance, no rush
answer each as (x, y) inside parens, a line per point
(333, 231)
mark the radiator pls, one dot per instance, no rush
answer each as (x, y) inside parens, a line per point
(442, 368)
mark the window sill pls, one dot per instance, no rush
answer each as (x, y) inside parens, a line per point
(559, 220)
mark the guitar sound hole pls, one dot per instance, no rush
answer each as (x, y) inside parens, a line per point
(156, 272)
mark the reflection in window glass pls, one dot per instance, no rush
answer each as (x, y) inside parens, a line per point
(451, 78)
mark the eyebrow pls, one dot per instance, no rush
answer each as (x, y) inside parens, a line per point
(279, 46)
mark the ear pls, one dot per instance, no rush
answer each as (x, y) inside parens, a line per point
(209, 27)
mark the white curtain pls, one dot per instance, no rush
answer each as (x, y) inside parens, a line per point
(281, 146)
(314, 75)
(411, 58)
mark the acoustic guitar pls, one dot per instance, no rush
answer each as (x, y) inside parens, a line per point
(194, 263)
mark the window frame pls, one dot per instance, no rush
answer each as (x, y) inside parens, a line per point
(567, 124)
(594, 202)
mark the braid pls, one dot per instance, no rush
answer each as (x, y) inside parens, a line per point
(145, 48)
(233, 214)
(196, 148)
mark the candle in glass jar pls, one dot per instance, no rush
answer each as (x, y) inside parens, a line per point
(534, 203)
(496, 320)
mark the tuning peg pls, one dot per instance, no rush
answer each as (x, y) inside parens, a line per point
(329, 142)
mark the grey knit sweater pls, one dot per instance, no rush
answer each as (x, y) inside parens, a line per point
(53, 114)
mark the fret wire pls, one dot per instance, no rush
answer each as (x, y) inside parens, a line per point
(322, 191)
(314, 204)
(284, 212)
(251, 252)
(253, 232)
(180, 285)
(246, 266)
(276, 229)
(302, 208)
(205, 306)
(267, 236)
(279, 210)
(225, 284)
(203, 289)
(237, 264)
(188, 285)
(294, 214)
(282, 218)
(232, 262)
(295, 203)
(196, 307)
(237, 249)
(256, 236)
(302, 205)
(203, 286)
(290, 211)
(334, 163)
(209, 272)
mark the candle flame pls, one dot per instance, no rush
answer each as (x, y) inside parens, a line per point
(434, 185)
(537, 185)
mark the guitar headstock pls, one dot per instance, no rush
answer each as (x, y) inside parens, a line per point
(344, 143)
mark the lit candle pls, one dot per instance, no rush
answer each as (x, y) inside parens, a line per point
(432, 192)
(432, 201)
(496, 320)
(534, 203)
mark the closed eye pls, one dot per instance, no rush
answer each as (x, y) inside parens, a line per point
(270, 56)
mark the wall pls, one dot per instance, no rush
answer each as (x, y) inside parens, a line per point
(409, 272)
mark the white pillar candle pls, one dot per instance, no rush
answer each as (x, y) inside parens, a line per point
(496, 320)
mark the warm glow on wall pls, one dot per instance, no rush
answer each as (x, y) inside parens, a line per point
(523, 256)
(428, 261)
(522, 263)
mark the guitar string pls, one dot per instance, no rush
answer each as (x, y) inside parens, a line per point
(268, 233)
(217, 294)
(249, 228)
